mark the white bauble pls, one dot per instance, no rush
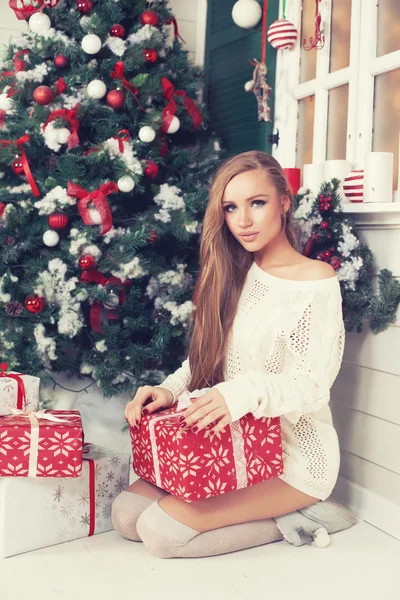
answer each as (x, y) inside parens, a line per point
(2, 174)
(39, 23)
(91, 43)
(249, 85)
(95, 216)
(62, 135)
(51, 238)
(111, 302)
(125, 183)
(6, 103)
(96, 89)
(246, 13)
(174, 125)
(147, 134)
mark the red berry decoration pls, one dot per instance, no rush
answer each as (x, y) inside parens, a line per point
(115, 99)
(315, 236)
(335, 262)
(87, 262)
(34, 304)
(150, 55)
(151, 170)
(17, 166)
(320, 256)
(324, 225)
(61, 61)
(153, 237)
(327, 254)
(117, 31)
(84, 6)
(43, 95)
(149, 17)
(58, 220)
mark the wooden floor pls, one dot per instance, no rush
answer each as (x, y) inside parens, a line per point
(361, 563)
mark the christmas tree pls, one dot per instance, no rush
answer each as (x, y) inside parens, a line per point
(105, 159)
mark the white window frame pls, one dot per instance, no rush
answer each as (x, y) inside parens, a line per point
(359, 75)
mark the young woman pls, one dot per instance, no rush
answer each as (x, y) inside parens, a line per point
(268, 338)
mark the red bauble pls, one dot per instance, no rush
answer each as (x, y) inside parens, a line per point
(335, 262)
(151, 170)
(332, 249)
(58, 220)
(43, 95)
(61, 61)
(327, 254)
(153, 237)
(34, 304)
(150, 55)
(315, 236)
(149, 17)
(115, 99)
(17, 166)
(84, 6)
(2, 208)
(87, 262)
(324, 225)
(117, 31)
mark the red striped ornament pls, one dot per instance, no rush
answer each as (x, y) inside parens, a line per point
(353, 185)
(282, 34)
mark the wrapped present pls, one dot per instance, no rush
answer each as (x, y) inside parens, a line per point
(17, 391)
(44, 512)
(199, 465)
(47, 443)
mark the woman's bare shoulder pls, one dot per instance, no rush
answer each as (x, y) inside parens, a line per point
(315, 269)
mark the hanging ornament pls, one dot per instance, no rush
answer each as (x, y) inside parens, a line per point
(125, 184)
(43, 95)
(87, 262)
(18, 166)
(152, 237)
(96, 89)
(149, 17)
(61, 61)
(51, 238)
(62, 135)
(246, 13)
(116, 99)
(34, 304)
(353, 185)
(91, 43)
(112, 300)
(282, 34)
(249, 86)
(150, 55)
(147, 134)
(84, 6)
(58, 220)
(324, 225)
(318, 41)
(39, 23)
(151, 170)
(23, 9)
(13, 308)
(261, 89)
(174, 125)
(117, 31)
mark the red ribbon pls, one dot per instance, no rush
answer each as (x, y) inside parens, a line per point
(19, 65)
(21, 394)
(26, 10)
(264, 33)
(173, 21)
(98, 197)
(61, 86)
(70, 116)
(122, 136)
(19, 142)
(92, 496)
(118, 73)
(96, 308)
(170, 110)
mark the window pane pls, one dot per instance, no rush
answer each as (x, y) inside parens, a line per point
(385, 135)
(308, 59)
(305, 132)
(340, 35)
(388, 26)
(338, 100)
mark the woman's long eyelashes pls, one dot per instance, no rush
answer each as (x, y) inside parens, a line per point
(229, 205)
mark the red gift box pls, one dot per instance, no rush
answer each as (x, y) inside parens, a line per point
(47, 443)
(199, 465)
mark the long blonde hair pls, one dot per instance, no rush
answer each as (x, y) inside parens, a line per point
(224, 264)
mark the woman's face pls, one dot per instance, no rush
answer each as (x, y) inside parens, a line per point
(252, 204)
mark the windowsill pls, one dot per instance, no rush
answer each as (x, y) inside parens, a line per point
(370, 215)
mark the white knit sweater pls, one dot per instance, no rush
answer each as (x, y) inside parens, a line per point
(284, 353)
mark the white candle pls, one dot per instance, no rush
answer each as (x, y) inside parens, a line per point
(378, 177)
(337, 169)
(313, 177)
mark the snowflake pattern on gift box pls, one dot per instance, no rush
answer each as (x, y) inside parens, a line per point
(85, 520)
(111, 496)
(217, 459)
(102, 489)
(67, 510)
(5, 440)
(215, 488)
(58, 493)
(120, 484)
(110, 476)
(84, 498)
(115, 461)
(189, 464)
(106, 512)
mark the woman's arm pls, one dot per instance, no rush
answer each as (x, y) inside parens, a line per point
(314, 352)
(177, 382)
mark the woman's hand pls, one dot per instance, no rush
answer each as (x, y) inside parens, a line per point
(206, 409)
(159, 398)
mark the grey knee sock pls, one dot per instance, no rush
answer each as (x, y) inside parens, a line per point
(166, 537)
(125, 511)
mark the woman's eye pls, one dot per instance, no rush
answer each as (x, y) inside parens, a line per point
(262, 202)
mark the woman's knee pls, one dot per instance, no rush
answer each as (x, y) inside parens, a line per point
(125, 512)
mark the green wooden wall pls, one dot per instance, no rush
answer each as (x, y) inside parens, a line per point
(233, 111)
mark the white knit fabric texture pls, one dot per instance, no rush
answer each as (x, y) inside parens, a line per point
(285, 351)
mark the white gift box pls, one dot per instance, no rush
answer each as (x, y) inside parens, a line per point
(10, 392)
(35, 513)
